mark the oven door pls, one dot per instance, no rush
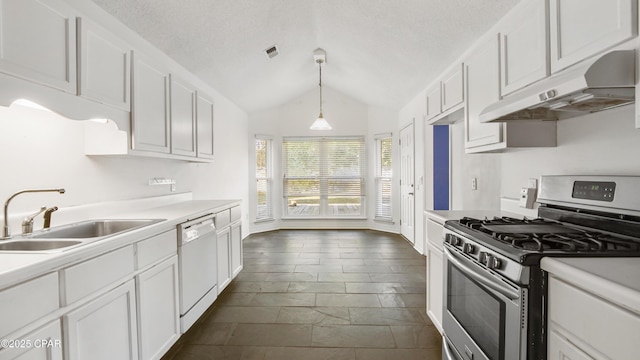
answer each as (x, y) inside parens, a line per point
(483, 315)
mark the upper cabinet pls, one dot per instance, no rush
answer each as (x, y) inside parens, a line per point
(582, 28)
(38, 42)
(204, 108)
(445, 97)
(103, 64)
(150, 123)
(523, 44)
(183, 117)
(482, 87)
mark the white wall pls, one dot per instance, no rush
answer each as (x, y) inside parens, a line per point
(43, 150)
(347, 116)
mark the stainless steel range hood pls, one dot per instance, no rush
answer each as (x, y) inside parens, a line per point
(603, 83)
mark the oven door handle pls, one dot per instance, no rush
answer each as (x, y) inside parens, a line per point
(502, 289)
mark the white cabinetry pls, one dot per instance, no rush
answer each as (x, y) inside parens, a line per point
(183, 118)
(150, 112)
(45, 343)
(482, 88)
(523, 44)
(158, 308)
(104, 64)
(104, 328)
(224, 257)
(236, 248)
(205, 116)
(582, 28)
(584, 326)
(38, 42)
(445, 97)
(434, 271)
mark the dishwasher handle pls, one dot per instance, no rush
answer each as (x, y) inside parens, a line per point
(195, 230)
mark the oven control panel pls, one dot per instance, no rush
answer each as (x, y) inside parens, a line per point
(594, 190)
(485, 258)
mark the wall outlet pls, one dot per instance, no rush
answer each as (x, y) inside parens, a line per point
(532, 183)
(474, 183)
(527, 197)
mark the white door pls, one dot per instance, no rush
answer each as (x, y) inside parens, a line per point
(407, 210)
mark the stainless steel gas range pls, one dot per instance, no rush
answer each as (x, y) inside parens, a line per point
(494, 289)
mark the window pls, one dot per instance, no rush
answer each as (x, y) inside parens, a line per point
(264, 208)
(324, 177)
(383, 177)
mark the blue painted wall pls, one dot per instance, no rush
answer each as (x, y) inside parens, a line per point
(441, 167)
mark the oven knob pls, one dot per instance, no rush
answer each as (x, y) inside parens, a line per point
(494, 263)
(468, 248)
(453, 240)
(482, 257)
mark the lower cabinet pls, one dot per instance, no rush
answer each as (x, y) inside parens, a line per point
(104, 328)
(224, 258)
(434, 285)
(45, 343)
(158, 309)
(236, 248)
(561, 349)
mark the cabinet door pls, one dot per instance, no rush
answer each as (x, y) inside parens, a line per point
(452, 89)
(434, 102)
(45, 344)
(560, 348)
(434, 285)
(482, 87)
(149, 115)
(582, 28)
(158, 313)
(38, 42)
(236, 248)
(224, 257)
(105, 328)
(183, 118)
(103, 63)
(523, 45)
(205, 126)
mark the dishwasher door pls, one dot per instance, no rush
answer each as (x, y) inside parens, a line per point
(197, 262)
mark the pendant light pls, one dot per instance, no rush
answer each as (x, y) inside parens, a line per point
(320, 123)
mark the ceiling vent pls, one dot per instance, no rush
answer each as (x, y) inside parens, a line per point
(272, 52)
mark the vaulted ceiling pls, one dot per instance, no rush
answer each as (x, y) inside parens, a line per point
(381, 52)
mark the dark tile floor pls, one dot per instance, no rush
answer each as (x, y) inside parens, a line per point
(312, 294)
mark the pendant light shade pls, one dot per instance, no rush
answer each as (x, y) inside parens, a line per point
(320, 123)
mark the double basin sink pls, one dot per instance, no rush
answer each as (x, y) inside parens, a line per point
(64, 237)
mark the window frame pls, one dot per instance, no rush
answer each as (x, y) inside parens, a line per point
(323, 179)
(379, 177)
(268, 178)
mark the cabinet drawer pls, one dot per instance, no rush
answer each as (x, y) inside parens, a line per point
(93, 275)
(605, 327)
(156, 248)
(27, 302)
(434, 233)
(235, 213)
(223, 218)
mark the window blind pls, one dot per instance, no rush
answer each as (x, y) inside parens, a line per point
(324, 176)
(264, 204)
(384, 177)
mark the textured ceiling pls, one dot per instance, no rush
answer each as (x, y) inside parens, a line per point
(381, 52)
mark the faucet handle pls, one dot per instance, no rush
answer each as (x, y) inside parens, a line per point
(47, 216)
(27, 223)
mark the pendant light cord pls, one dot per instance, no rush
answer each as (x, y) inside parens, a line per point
(320, 83)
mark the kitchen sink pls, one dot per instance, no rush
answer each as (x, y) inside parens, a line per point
(37, 245)
(93, 228)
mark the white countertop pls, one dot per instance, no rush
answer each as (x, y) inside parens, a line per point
(16, 267)
(613, 279)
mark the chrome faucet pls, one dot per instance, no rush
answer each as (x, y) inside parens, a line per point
(47, 216)
(27, 223)
(5, 230)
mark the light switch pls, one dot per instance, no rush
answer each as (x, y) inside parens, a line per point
(474, 183)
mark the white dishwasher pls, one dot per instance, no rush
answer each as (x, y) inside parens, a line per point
(197, 268)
